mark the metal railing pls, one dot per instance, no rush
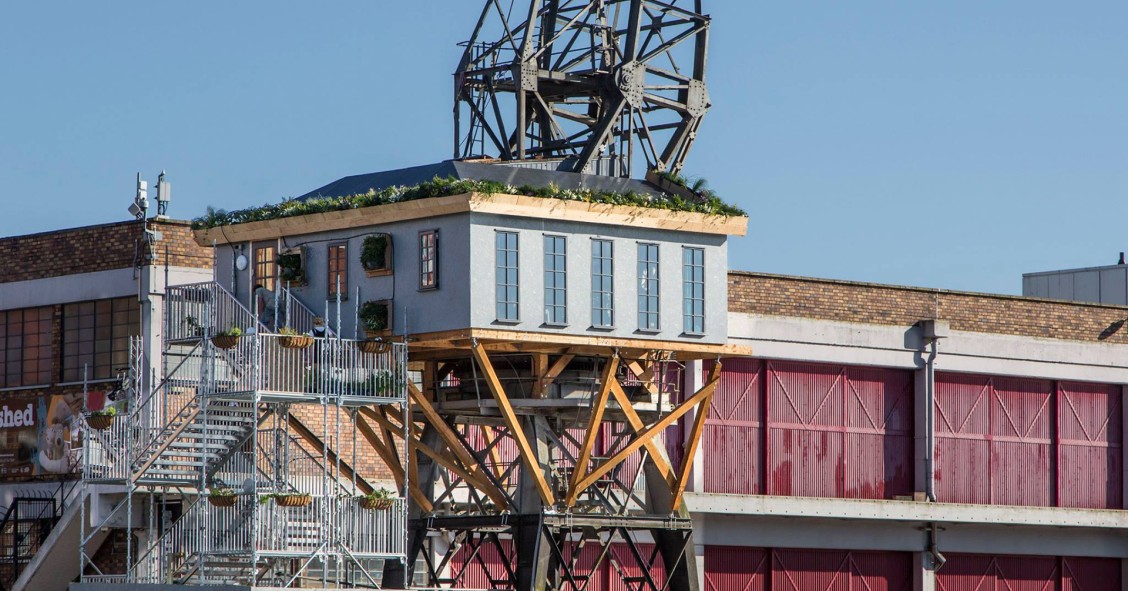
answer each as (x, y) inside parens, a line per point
(272, 364)
(297, 316)
(200, 310)
(371, 532)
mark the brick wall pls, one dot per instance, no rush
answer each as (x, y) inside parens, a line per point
(825, 299)
(367, 464)
(96, 248)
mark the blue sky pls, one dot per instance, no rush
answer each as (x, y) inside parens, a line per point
(950, 144)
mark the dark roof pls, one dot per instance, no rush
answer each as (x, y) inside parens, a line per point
(511, 175)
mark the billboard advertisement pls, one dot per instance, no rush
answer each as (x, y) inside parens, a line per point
(40, 436)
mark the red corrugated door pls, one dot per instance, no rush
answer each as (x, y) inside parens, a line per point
(804, 429)
(962, 452)
(993, 440)
(624, 572)
(970, 572)
(1021, 422)
(733, 439)
(1090, 453)
(1090, 574)
(838, 431)
(835, 570)
(732, 568)
(879, 433)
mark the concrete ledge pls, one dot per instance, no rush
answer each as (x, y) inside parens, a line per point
(873, 510)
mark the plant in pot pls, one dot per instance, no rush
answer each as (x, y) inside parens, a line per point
(222, 497)
(290, 269)
(228, 338)
(288, 499)
(376, 318)
(292, 339)
(102, 419)
(378, 500)
(376, 255)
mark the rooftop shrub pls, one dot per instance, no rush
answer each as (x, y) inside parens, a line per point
(709, 203)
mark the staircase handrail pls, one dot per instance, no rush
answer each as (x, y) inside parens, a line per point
(200, 310)
(300, 317)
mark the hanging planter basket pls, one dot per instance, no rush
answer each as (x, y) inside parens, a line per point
(225, 341)
(100, 422)
(298, 341)
(376, 504)
(293, 500)
(374, 347)
(223, 501)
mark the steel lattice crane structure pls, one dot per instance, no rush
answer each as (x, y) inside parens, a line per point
(592, 85)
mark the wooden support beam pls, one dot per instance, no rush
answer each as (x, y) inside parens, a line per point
(648, 434)
(644, 376)
(453, 442)
(540, 370)
(544, 380)
(429, 380)
(598, 405)
(315, 441)
(386, 454)
(514, 424)
(695, 436)
(657, 454)
(449, 463)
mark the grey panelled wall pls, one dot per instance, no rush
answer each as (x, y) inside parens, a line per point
(466, 295)
(531, 234)
(1101, 285)
(446, 308)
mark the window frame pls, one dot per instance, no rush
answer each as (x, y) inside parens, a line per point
(649, 288)
(269, 281)
(123, 316)
(337, 266)
(601, 279)
(693, 303)
(433, 260)
(555, 276)
(14, 363)
(501, 284)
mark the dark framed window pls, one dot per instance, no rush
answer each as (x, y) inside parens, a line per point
(25, 347)
(266, 266)
(693, 290)
(96, 335)
(338, 269)
(555, 280)
(506, 262)
(602, 283)
(648, 285)
(429, 259)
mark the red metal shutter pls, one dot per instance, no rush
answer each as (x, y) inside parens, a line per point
(1090, 453)
(624, 572)
(972, 572)
(836, 570)
(1021, 420)
(733, 439)
(1090, 574)
(732, 568)
(486, 570)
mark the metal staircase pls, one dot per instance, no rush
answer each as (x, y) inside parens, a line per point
(201, 428)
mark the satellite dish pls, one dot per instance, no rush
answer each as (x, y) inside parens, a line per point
(241, 262)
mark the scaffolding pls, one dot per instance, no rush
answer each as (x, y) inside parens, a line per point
(218, 472)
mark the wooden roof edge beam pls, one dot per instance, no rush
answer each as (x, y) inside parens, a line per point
(514, 425)
(594, 421)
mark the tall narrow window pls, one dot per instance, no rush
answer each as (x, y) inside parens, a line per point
(693, 290)
(429, 259)
(338, 269)
(555, 280)
(602, 283)
(648, 300)
(507, 283)
(265, 266)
